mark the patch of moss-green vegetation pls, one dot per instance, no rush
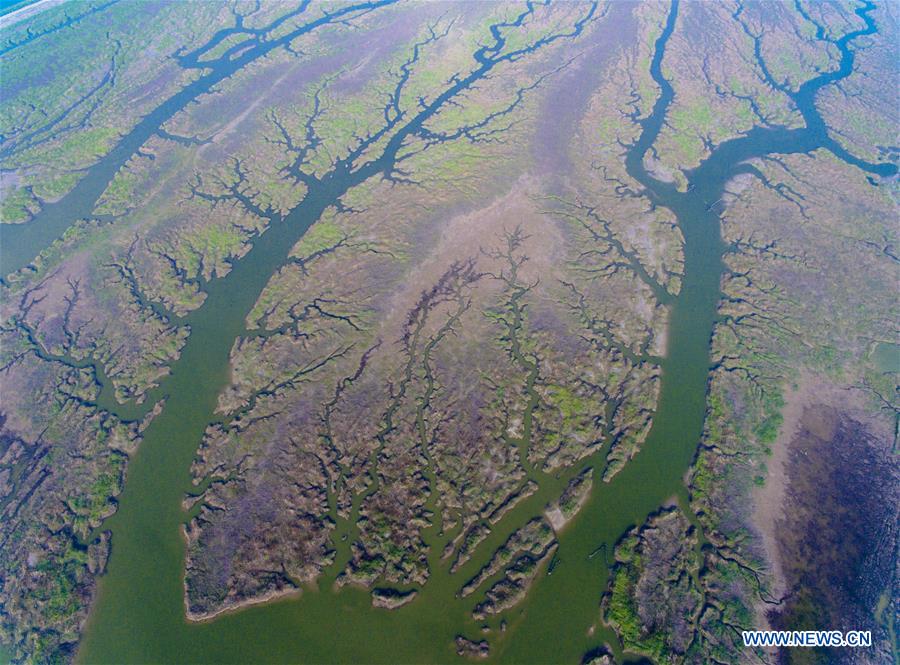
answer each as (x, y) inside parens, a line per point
(652, 601)
(17, 205)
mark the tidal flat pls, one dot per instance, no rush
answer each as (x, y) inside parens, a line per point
(458, 343)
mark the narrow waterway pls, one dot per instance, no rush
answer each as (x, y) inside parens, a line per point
(554, 623)
(139, 613)
(21, 243)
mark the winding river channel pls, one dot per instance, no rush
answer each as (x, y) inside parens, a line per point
(139, 612)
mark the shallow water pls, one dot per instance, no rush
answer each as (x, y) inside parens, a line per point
(887, 357)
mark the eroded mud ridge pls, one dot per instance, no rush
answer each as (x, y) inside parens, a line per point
(415, 339)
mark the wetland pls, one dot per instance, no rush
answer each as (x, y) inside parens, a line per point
(294, 494)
